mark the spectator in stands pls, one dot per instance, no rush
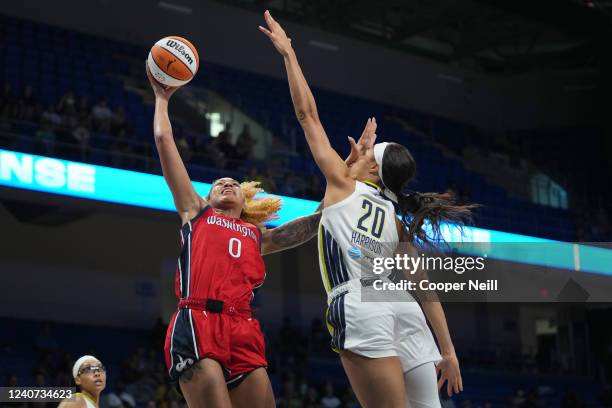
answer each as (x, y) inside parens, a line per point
(82, 136)
(67, 104)
(224, 142)
(26, 104)
(113, 401)
(51, 116)
(120, 397)
(245, 144)
(330, 400)
(102, 115)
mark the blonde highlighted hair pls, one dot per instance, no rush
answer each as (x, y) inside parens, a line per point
(258, 210)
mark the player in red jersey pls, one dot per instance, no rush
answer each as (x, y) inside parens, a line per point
(214, 347)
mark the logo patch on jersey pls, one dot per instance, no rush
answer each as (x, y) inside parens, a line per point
(183, 364)
(354, 252)
(225, 223)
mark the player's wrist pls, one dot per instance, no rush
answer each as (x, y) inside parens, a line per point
(289, 53)
(161, 100)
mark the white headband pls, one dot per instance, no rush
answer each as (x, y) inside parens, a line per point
(77, 366)
(379, 152)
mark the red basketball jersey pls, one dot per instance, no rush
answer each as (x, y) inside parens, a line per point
(220, 259)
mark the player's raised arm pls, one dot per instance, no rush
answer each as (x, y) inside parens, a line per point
(333, 167)
(188, 203)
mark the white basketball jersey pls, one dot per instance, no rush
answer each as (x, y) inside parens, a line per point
(353, 232)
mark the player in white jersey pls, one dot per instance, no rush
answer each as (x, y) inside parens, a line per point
(386, 347)
(90, 376)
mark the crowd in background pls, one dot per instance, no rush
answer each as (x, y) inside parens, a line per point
(73, 127)
(141, 381)
(67, 127)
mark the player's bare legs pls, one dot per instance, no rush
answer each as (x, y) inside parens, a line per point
(254, 392)
(203, 385)
(377, 382)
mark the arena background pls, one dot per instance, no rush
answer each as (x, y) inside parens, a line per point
(506, 103)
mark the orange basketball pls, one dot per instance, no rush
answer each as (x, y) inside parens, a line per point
(173, 61)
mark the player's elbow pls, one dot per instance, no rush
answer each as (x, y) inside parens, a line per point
(163, 137)
(306, 116)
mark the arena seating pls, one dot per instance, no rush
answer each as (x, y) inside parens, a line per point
(53, 61)
(495, 385)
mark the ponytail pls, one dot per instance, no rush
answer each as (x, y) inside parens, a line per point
(435, 208)
(397, 168)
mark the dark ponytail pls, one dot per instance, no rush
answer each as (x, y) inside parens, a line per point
(398, 169)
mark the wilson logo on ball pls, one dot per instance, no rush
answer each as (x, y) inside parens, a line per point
(173, 61)
(181, 49)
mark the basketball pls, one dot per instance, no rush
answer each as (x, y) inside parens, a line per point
(173, 61)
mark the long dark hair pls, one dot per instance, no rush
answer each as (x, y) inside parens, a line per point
(398, 169)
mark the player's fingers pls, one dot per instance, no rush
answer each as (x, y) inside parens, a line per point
(269, 19)
(449, 388)
(265, 31)
(460, 383)
(372, 140)
(440, 382)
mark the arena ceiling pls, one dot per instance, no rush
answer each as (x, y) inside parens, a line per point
(501, 37)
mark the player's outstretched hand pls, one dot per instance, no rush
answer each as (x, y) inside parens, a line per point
(276, 34)
(448, 369)
(160, 90)
(366, 141)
